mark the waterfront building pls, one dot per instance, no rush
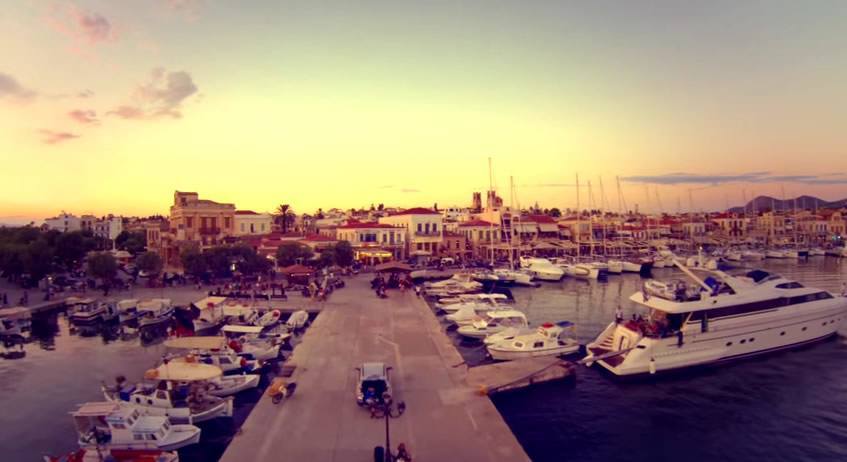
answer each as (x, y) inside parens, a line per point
(423, 228)
(200, 220)
(455, 245)
(479, 236)
(63, 222)
(372, 242)
(248, 222)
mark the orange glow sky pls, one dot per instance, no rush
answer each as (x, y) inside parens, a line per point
(108, 107)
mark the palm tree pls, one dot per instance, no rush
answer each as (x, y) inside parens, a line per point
(284, 216)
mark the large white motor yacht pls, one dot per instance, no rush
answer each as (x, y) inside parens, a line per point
(716, 318)
(542, 269)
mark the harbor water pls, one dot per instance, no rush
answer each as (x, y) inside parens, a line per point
(781, 407)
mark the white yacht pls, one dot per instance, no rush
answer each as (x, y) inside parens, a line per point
(547, 340)
(254, 342)
(580, 270)
(716, 318)
(493, 322)
(208, 313)
(629, 266)
(212, 350)
(108, 424)
(816, 252)
(154, 311)
(520, 277)
(480, 305)
(128, 310)
(614, 266)
(733, 255)
(464, 298)
(508, 333)
(467, 314)
(542, 269)
(752, 255)
(776, 253)
(176, 390)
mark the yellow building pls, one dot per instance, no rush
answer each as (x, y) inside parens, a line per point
(200, 220)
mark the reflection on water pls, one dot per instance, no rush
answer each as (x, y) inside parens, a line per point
(781, 407)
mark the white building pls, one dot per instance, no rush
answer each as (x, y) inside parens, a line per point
(108, 227)
(249, 222)
(423, 229)
(64, 222)
(373, 242)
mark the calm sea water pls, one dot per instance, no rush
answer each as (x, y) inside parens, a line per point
(787, 406)
(64, 366)
(783, 407)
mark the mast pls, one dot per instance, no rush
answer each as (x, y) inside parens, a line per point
(590, 222)
(578, 219)
(603, 215)
(511, 222)
(491, 197)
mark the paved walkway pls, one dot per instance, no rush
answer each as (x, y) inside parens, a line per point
(445, 420)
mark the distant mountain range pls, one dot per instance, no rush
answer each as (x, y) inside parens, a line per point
(764, 203)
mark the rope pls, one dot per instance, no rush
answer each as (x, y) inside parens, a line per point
(526, 377)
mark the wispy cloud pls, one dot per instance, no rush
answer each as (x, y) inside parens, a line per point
(161, 96)
(12, 90)
(83, 28)
(84, 116)
(188, 9)
(753, 177)
(409, 190)
(548, 185)
(54, 137)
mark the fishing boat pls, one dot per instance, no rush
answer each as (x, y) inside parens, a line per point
(493, 322)
(15, 321)
(508, 333)
(229, 385)
(177, 390)
(208, 313)
(128, 310)
(108, 424)
(717, 317)
(255, 342)
(85, 311)
(297, 320)
(154, 312)
(237, 314)
(547, 340)
(212, 350)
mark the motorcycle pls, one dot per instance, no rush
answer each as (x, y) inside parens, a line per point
(279, 390)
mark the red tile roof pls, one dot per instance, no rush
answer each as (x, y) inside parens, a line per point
(539, 219)
(245, 212)
(416, 211)
(474, 223)
(361, 225)
(318, 238)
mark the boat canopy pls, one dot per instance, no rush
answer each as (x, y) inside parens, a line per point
(503, 314)
(128, 303)
(242, 329)
(208, 302)
(96, 409)
(17, 312)
(179, 371)
(154, 304)
(196, 343)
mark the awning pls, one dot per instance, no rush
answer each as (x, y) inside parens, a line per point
(393, 267)
(181, 371)
(297, 270)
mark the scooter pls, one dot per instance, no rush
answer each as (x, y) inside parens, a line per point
(279, 390)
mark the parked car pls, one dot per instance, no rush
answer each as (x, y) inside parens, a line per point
(372, 380)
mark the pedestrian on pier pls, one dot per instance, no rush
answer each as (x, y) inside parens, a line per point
(618, 315)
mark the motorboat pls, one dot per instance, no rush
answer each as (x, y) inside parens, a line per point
(108, 424)
(237, 314)
(15, 321)
(733, 255)
(85, 311)
(701, 261)
(455, 280)
(208, 313)
(177, 390)
(154, 312)
(297, 320)
(579, 270)
(464, 298)
(547, 340)
(493, 322)
(212, 350)
(629, 266)
(520, 277)
(116, 455)
(542, 269)
(110, 311)
(484, 304)
(836, 252)
(816, 252)
(128, 310)
(469, 313)
(229, 385)
(752, 255)
(508, 333)
(714, 318)
(614, 266)
(776, 253)
(459, 283)
(255, 342)
(270, 318)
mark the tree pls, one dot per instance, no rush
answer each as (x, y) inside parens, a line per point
(102, 265)
(289, 253)
(150, 263)
(343, 253)
(38, 259)
(133, 242)
(72, 246)
(284, 217)
(194, 262)
(327, 258)
(555, 212)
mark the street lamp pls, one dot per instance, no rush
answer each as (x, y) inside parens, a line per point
(387, 410)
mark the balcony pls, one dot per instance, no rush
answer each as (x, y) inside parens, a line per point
(428, 234)
(209, 231)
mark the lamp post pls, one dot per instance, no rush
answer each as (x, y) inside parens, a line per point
(386, 408)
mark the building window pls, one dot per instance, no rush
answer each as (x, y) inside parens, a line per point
(434, 227)
(226, 223)
(420, 227)
(419, 246)
(426, 228)
(189, 221)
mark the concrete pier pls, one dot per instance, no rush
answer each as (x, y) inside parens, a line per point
(446, 418)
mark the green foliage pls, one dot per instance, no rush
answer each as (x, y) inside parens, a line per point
(326, 258)
(194, 262)
(150, 263)
(72, 246)
(220, 261)
(555, 212)
(102, 265)
(133, 242)
(343, 253)
(289, 253)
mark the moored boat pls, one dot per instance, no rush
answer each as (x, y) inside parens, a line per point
(547, 340)
(109, 425)
(154, 312)
(493, 322)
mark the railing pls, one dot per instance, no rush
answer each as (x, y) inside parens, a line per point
(209, 230)
(428, 234)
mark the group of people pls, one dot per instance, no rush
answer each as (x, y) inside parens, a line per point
(379, 284)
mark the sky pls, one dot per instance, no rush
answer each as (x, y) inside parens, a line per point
(108, 107)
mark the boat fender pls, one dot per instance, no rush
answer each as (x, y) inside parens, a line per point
(652, 365)
(190, 358)
(243, 362)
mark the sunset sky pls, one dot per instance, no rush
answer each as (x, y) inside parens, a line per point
(110, 106)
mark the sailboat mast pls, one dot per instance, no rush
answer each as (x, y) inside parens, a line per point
(491, 197)
(511, 222)
(578, 219)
